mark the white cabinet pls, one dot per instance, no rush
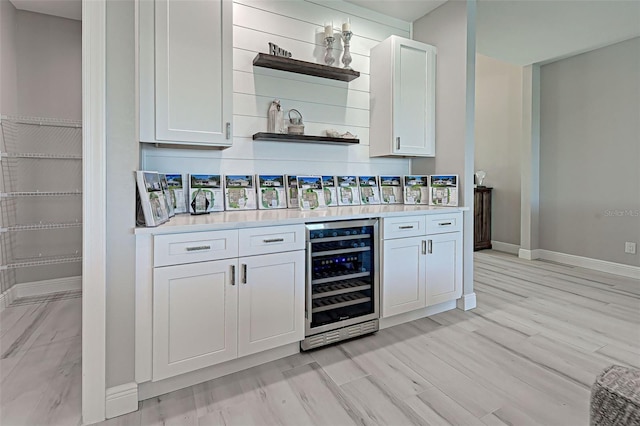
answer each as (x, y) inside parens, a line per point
(421, 271)
(402, 98)
(444, 267)
(194, 316)
(271, 301)
(185, 72)
(403, 275)
(212, 306)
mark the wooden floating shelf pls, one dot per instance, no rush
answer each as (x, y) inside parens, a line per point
(279, 137)
(302, 67)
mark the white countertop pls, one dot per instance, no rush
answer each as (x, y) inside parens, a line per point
(256, 218)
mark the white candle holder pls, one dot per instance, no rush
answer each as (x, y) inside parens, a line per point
(328, 57)
(346, 57)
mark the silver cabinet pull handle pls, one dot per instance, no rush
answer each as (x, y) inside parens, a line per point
(406, 227)
(244, 273)
(198, 248)
(273, 240)
(424, 247)
(233, 274)
(228, 130)
(444, 223)
(430, 246)
(398, 142)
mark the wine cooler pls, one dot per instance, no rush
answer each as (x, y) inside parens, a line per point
(342, 281)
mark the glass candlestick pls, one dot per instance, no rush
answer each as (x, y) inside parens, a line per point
(346, 57)
(328, 57)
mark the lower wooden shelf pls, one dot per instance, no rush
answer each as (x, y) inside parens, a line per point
(280, 137)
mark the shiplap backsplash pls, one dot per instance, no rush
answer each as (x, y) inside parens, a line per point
(297, 26)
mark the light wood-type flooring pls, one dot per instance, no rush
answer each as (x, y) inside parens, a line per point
(527, 355)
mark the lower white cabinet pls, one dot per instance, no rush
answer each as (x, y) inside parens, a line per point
(421, 271)
(195, 316)
(403, 275)
(444, 267)
(271, 302)
(210, 312)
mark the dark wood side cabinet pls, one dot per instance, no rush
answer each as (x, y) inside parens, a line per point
(482, 227)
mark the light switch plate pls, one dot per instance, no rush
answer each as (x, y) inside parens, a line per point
(630, 247)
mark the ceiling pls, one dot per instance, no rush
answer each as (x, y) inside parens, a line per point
(70, 9)
(406, 10)
(520, 32)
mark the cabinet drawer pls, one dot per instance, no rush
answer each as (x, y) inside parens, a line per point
(175, 249)
(441, 223)
(272, 239)
(401, 227)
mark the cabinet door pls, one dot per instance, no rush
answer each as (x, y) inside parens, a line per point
(194, 316)
(444, 267)
(271, 308)
(413, 98)
(186, 48)
(403, 275)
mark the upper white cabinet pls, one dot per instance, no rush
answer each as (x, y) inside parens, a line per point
(185, 72)
(402, 105)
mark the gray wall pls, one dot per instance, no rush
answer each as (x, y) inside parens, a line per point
(451, 28)
(122, 160)
(49, 60)
(590, 153)
(498, 133)
(8, 68)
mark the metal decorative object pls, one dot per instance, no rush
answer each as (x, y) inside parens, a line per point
(328, 57)
(276, 50)
(346, 37)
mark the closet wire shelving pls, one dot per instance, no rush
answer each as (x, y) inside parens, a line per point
(44, 145)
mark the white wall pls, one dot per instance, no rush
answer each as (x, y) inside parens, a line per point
(122, 160)
(49, 61)
(8, 68)
(498, 135)
(295, 26)
(590, 153)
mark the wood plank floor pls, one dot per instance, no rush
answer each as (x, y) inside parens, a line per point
(527, 355)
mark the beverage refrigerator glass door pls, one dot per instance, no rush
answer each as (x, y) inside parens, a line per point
(342, 275)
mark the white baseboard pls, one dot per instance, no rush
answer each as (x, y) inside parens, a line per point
(417, 314)
(39, 288)
(595, 264)
(152, 389)
(6, 298)
(529, 254)
(121, 400)
(42, 288)
(505, 247)
(467, 302)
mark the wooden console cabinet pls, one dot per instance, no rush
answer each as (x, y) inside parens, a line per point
(482, 215)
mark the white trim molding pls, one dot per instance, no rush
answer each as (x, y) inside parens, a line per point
(505, 247)
(529, 254)
(46, 287)
(121, 400)
(94, 13)
(467, 302)
(589, 263)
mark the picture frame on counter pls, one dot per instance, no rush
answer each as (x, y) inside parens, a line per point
(310, 193)
(291, 184)
(169, 200)
(348, 191)
(443, 190)
(150, 199)
(178, 196)
(369, 190)
(272, 193)
(239, 192)
(206, 194)
(330, 191)
(416, 189)
(391, 190)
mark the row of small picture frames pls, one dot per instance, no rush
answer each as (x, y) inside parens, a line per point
(164, 195)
